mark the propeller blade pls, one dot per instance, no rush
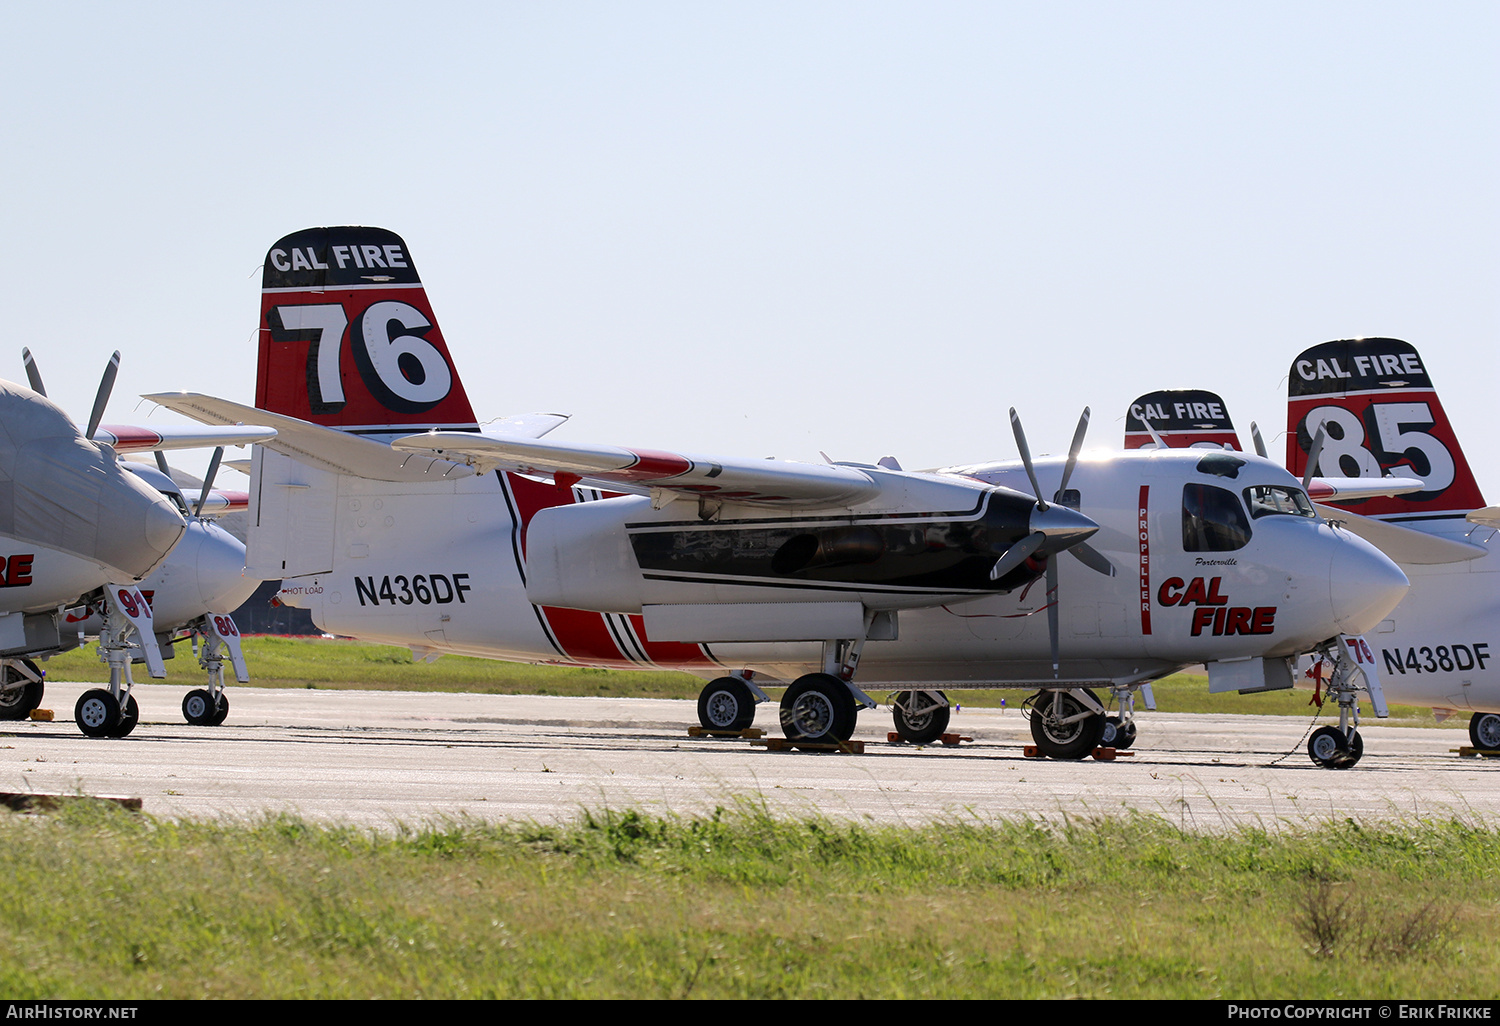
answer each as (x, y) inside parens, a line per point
(1083, 426)
(1052, 629)
(1015, 426)
(33, 375)
(1313, 452)
(1091, 558)
(208, 481)
(1017, 554)
(101, 399)
(1260, 443)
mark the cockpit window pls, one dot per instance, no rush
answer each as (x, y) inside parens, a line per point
(1270, 500)
(1212, 520)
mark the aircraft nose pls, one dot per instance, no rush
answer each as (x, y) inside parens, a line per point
(1062, 526)
(1365, 585)
(137, 526)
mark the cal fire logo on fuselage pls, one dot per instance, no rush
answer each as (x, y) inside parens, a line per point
(15, 571)
(1212, 612)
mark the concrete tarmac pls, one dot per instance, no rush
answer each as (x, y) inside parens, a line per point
(377, 758)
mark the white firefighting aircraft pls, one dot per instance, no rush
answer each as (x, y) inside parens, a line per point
(1390, 470)
(78, 529)
(394, 517)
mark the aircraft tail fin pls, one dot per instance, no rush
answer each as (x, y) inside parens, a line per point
(348, 339)
(1184, 417)
(1381, 416)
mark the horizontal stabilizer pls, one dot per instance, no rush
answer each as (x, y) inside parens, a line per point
(325, 448)
(759, 482)
(1344, 489)
(1403, 544)
(531, 425)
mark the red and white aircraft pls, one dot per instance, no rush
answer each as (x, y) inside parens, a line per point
(394, 516)
(78, 529)
(1374, 400)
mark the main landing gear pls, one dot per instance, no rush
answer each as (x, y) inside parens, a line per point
(1066, 723)
(921, 716)
(21, 688)
(1484, 731)
(728, 703)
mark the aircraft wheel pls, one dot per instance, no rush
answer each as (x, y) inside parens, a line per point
(129, 717)
(1328, 748)
(96, 713)
(818, 707)
(1484, 731)
(198, 708)
(921, 728)
(726, 704)
(17, 702)
(223, 713)
(1058, 735)
(1117, 734)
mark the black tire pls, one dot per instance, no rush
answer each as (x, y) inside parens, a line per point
(1117, 733)
(923, 728)
(1329, 748)
(1484, 731)
(1058, 739)
(818, 707)
(726, 704)
(16, 703)
(129, 717)
(96, 712)
(223, 713)
(198, 708)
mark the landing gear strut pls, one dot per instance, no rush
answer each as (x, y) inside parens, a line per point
(215, 638)
(1341, 747)
(825, 706)
(1066, 724)
(127, 633)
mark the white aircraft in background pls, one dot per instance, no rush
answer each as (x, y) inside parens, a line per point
(79, 529)
(394, 517)
(1375, 402)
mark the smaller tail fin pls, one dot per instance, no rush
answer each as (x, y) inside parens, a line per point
(348, 338)
(1183, 417)
(1381, 416)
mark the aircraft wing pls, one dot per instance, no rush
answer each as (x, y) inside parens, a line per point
(1344, 489)
(759, 482)
(1403, 544)
(322, 447)
(129, 438)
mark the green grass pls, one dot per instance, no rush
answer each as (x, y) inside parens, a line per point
(278, 662)
(110, 904)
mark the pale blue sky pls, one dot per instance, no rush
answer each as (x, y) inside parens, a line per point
(769, 229)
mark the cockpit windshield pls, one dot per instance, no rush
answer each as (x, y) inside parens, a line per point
(1272, 500)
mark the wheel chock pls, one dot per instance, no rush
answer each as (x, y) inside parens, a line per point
(1032, 752)
(947, 740)
(1111, 754)
(41, 715)
(782, 744)
(748, 732)
(1468, 752)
